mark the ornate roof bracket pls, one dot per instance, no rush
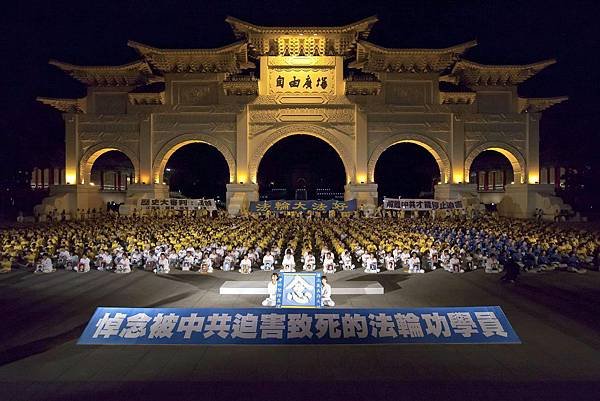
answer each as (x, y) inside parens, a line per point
(457, 97)
(131, 74)
(65, 105)
(230, 58)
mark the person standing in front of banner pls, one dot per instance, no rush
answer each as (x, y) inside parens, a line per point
(271, 291)
(326, 293)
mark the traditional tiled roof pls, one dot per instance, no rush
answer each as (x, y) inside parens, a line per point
(230, 58)
(65, 105)
(131, 74)
(536, 105)
(474, 74)
(373, 58)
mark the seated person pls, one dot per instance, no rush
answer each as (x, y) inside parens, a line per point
(206, 265)
(414, 264)
(123, 266)
(371, 264)
(492, 265)
(45, 265)
(228, 263)
(162, 265)
(246, 265)
(346, 260)
(271, 291)
(389, 262)
(188, 261)
(268, 262)
(84, 264)
(288, 264)
(326, 293)
(328, 263)
(309, 262)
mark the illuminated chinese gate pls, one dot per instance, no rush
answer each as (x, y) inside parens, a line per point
(328, 82)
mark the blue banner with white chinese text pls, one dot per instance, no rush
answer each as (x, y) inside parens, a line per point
(276, 326)
(282, 206)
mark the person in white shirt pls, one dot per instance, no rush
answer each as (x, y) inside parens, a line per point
(346, 260)
(84, 264)
(188, 261)
(371, 263)
(389, 262)
(246, 265)
(414, 264)
(45, 265)
(445, 260)
(63, 258)
(151, 262)
(492, 265)
(206, 266)
(163, 264)
(271, 291)
(288, 264)
(455, 264)
(136, 258)
(364, 259)
(123, 266)
(173, 259)
(228, 263)
(268, 262)
(309, 262)
(326, 293)
(328, 264)
(404, 256)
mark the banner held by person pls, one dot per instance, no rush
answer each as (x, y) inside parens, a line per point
(422, 204)
(303, 206)
(178, 204)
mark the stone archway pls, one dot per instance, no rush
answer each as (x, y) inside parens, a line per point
(161, 159)
(94, 152)
(431, 146)
(311, 130)
(513, 155)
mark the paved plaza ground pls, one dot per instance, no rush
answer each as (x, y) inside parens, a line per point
(555, 314)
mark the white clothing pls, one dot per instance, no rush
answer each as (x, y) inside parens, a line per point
(309, 263)
(268, 262)
(329, 265)
(326, 296)
(123, 266)
(288, 263)
(272, 291)
(83, 265)
(246, 266)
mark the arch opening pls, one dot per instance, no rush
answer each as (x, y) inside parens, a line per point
(301, 167)
(195, 169)
(406, 169)
(434, 149)
(491, 171)
(500, 153)
(108, 159)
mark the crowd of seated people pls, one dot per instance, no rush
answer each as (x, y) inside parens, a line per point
(164, 244)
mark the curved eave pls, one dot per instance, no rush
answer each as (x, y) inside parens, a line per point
(135, 66)
(64, 105)
(456, 49)
(362, 27)
(539, 104)
(144, 49)
(472, 73)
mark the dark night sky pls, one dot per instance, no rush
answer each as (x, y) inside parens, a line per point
(86, 32)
